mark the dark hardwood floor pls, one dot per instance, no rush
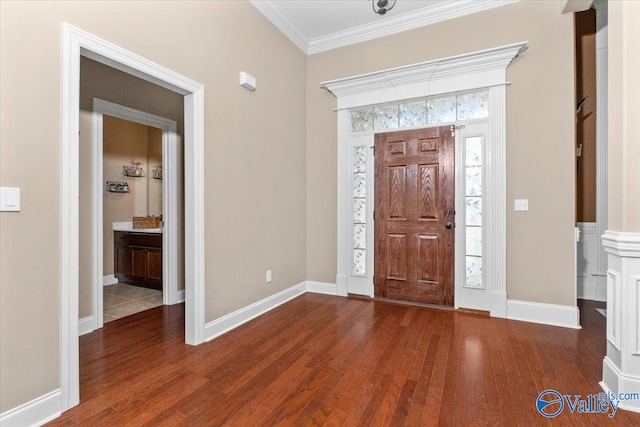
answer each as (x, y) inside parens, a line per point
(322, 360)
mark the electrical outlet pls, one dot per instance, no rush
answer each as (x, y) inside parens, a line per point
(268, 276)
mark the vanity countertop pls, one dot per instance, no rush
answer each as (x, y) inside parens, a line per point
(128, 227)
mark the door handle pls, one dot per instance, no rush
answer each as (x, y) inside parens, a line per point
(449, 225)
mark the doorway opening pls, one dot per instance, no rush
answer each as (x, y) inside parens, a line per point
(128, 253)
(76, 44)
(591, 150)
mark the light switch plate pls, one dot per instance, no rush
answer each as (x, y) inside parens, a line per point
(522, 204)
(268, 276)
(9, 199)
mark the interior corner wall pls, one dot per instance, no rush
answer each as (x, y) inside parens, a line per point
(540, 137)
(254, 156)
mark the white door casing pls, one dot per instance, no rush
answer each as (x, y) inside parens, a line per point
(169, 197)
(76, 43)
(483, 69)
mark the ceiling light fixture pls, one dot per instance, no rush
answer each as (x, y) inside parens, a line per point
(382, 6)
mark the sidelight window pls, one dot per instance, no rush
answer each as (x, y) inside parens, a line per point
(359, 210)
(473, 210)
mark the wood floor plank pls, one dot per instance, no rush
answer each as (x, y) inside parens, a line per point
(331, 361)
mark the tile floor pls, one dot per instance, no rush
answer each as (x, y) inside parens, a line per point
(121, 300)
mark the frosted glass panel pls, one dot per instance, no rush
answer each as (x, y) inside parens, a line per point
(359, 211)
(359, 236)
(441, 110)
(359, 256)
(473, 105)
(474, 271)
(474, 211)
(474, 151)
(385, 117)
(359, 159)
(413, 114)
(474, 241)
(359, 185)
(362, 120)
(474, 181)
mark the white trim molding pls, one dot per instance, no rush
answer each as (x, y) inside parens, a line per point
(241, 316)
(432, 14)
(76, 43)
(590, 284)
(321, 287)
(169, 197)
(621, 366)
(546, 314)
(86, 325)
(471, 71)
(458, 73)
(109, 280)
(37, 412)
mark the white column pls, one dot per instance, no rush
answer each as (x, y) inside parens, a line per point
(495, 204)
(621, 366)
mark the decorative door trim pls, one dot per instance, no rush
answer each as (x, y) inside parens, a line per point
(472, 71)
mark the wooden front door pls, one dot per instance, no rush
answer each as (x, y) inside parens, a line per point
(414, 215)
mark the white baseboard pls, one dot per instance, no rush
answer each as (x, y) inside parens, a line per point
(37, 412)
(321, 287)
(181, 296)
(546, 314)
(86, 325)
(233, 320)
(613, 380)
(601, 289)
(586, 290)
(109, 280)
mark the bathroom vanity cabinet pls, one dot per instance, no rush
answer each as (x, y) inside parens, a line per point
(138, 258)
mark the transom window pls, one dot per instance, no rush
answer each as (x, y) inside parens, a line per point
(422, 112)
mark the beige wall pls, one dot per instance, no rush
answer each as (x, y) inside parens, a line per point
(106, 83)
(586, 125)
(255, 155)
(624, 111)
(540, 138)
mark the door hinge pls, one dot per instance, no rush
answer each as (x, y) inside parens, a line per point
(374, 214)
(453, 130)
(373, 147)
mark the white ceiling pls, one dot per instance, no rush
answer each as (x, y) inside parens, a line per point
(319, 25)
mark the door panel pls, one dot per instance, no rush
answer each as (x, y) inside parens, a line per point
(414, 201)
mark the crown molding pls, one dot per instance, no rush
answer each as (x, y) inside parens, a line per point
(407, 21)
(470, 63)
(390, 25)
(281, 20)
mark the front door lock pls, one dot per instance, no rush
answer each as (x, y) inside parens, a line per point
(449, 225)
(448, 212)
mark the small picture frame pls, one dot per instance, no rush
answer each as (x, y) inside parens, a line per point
(133, 171)
(157, 173)
(117, 187)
